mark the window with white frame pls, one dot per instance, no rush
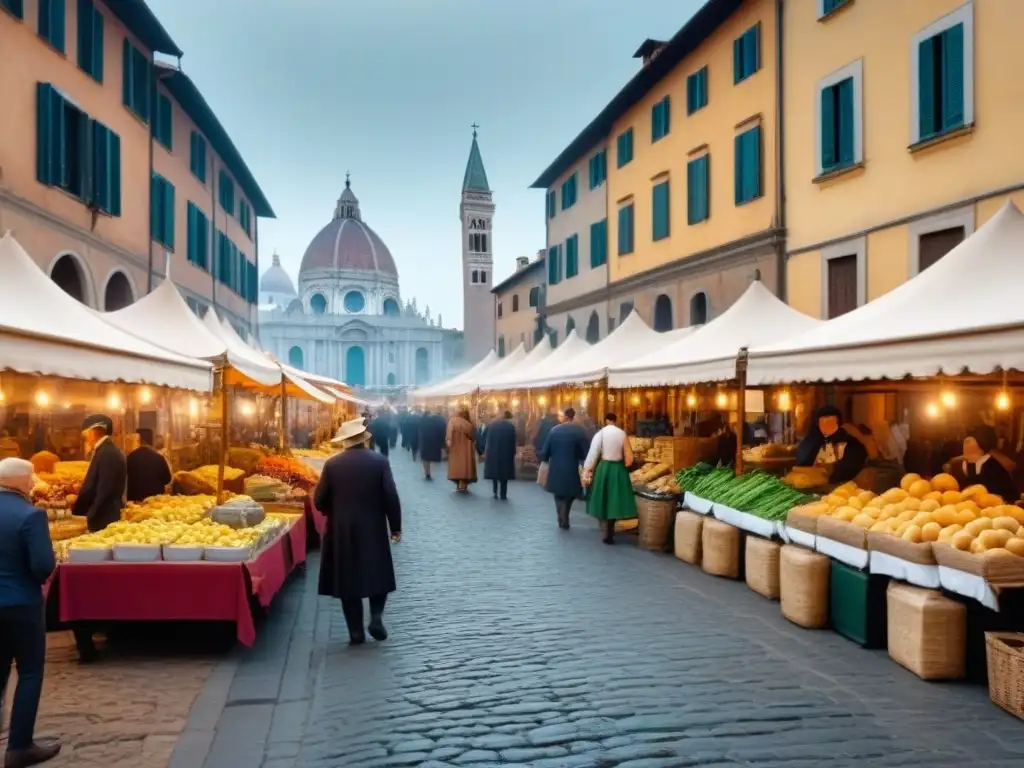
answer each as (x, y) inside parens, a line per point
(839, 120)
(942, 76)
(843, 277)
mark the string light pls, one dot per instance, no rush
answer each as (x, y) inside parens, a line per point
(784, 401)
(542, 400)
(145, 395)
(691, 400)
(948, 399)
(515, 402)
(113, 401)
(247, 408)
(722, 400)
(193, 407)
(1003, 401)
(635, 400)
(932, 410)
(42, 399)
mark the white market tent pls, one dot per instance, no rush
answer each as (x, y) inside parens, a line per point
(632, 339)
(45, 331)
(955, 316)
(493, 383)
(437, 390)
(163, 317)
(709, 354)
(503, 366)
(548, 368)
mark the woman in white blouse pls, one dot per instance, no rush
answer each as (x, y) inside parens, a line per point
(610, 497)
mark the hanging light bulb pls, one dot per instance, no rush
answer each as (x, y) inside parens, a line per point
(584, 399)
(42, 399)
(113, 401)
(784, 400)
(635, 400)
(145, 395)
(542, 400)
(932, 409)
(193, 407)
(1003, 401)
(948, 398)
(2, 396)
(691, 400)
(515, 402)
(722, 400)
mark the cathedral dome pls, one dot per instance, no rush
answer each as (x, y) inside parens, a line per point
(276, 281)
(347, 243)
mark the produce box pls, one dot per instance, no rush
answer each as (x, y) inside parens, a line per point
(927, 632)
(802, 520)
(1005, 571)
(843, 532)
(857, 605)
(919, 554)
(804, 586)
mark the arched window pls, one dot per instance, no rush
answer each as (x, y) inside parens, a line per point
(624, 309)
(67, 273)
(535, 296)
(593, 329)
(501, 346)
(118, 293)
(318, 303)
(295, 358)
(570, 326)
(355, 367)
(476, 276)
(663, 314)
(391, 308)
(391, 380)
(699, 308)
(354, 302)
(515, 302)
(422, 366)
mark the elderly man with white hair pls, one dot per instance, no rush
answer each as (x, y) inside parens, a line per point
(26, 562)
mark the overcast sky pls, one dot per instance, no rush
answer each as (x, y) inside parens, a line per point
(388, 89)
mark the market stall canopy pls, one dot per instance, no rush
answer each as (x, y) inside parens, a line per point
(494, 383)
(709, 354)
(954, 317)
(348, 398)
(437, 389)
(163, 317)
(45, 331)
(546, 373)
(500, 368)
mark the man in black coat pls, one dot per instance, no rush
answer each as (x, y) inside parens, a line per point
(101, 499)
(432, 435)
(357, 494)
(412, 427)
(549, 422)
(380, 431)
(500, 454)
(148, 473)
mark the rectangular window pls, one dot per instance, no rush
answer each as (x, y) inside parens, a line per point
(748, 165)
(138, 75)
(500, 310)
(661, 116)
(626, 229)
(198, 236)
(225, 256)
(52, 22)
(554, 267)
(197, 156)
(106, 169)
(226, 191)
(837, 126)
(14, 7)
(598, 243)
(161, 210)
(253, 296)
(572, 256)
(828, 6)
(746, 54)
(941, 82)
(163, 125)
(624, 147)
(660, 226)
(599, 169)
(569, 192)
(552, 206)
(697, 90)
(842, 285)
(90, 39)
(245, 217)
(534, 296)
(932, 246)
(698, 205)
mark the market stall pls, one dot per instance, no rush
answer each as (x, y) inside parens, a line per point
(437, 390)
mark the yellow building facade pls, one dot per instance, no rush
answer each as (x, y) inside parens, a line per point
(900, 125)
(693, 186)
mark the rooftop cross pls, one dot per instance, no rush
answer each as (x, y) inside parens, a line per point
(347, 182)
(474, 126)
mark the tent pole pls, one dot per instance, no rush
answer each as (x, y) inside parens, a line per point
(283, 439)
(222, 461)
(741, 407)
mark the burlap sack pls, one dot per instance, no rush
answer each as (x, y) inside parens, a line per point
(927, 632)
(689, 527)
(804, 586)
(761, 566)
(720, 545)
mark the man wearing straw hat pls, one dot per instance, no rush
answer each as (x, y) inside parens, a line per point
(357, 494)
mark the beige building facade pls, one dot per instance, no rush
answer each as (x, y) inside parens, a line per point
(518, 305)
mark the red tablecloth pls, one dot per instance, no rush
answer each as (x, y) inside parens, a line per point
(163, 591)
(318, 517)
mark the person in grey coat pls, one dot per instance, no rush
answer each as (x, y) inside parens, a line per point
(499, 445)
(565, 450)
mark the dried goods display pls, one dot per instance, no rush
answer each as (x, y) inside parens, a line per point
(290, 471)
(204, 479)
(804, 478)
(313, 453)
(640, 446)
(172, 509)
(650, 472)
(245, 459)
(266, 488)
(57, 490)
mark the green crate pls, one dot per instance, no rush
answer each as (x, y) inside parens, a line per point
(857, 605)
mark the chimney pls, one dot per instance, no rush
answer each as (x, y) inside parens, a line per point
(649, 50)
(522, 262)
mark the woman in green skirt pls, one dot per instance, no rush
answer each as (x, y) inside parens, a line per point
(610, 496)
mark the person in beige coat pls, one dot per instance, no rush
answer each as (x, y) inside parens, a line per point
(461, 454)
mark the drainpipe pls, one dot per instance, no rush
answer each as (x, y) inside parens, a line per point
(780, 155)
(255, 324)
(152, 137)
(213, 231)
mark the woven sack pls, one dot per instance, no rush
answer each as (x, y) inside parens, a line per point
(804, 586)
(720, 549)
(927, 632)
(761, 568)
(1005, 656)
(655, 516)
(689, 527)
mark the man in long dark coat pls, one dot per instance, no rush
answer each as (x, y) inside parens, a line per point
(412, 425)
(380, 430)
(357, 494)
(565, 450)
(433, 429)
(500, 454)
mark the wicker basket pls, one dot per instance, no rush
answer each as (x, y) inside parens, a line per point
(1005, 654)
(762, 566)
(655, 516)
(720, 545)
(689, 526)
(804, 586)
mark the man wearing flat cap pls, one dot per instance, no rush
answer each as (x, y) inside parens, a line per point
(102, 497)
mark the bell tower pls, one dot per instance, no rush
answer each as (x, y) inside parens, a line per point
(476, 212)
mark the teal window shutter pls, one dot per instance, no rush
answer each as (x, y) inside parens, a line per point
(190, 233)
(197, 161)
(168, 215)
(828, 128)
(660, 228)
(697, 90)
(163, 126)
(551, 204)
(845, 121)
(90, 39)
(697, 207)
(624, 147)
(155, 207)
(626, 229)
(737, 60)
(553, 265)
(52, 22)
(572, 256)
(953, 77)
(927, 86)
(14, 7)
(738, 147)
(127, 73)
(748, 165)
(752, 49)
(114, 173)
(48, 107)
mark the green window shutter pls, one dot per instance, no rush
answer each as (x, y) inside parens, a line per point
(953, 77)
(666, 116)
(155, 207)
(90, 39)
(97, 45)
(552, 266)
(47, 105)
(100, 188)
(168, 215)
(127, 73)
(571, 256)
(15, 7)
(697, 190)
(926, 84)
(163, 126)
(114, 172)
(52, 22)
(752, 49)
(845, 121)
(660, 208)
(704, 186)
(754, 166)
(190, 233)
(625, 230)
(737, 60)
(828, 128)
(738, 173)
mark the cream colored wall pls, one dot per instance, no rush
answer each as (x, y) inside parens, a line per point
(517, 326)
(714, 126)
(895, 182)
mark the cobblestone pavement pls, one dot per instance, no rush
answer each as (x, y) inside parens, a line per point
(513, 643)
(125, 712)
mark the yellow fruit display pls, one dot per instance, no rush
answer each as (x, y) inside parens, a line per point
(847, 513)
(919, 489)
(984, 500)
(895, 495)
(933, 496)
(998, 552)
(994, 538)
(946, 515)
(930, 532)
(973, 490)
(908, 480)
(1006, 524)
(929, 505)
(951, 497)
(945, 482)
(181, 509)
(947, 533)
(975, 527)
(962, 540)
(863, 520)
(913, 534)
(1015, 545)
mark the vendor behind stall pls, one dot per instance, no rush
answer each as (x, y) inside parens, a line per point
(148, 473)
(102, 496)
(828, 444)
(981, 466)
